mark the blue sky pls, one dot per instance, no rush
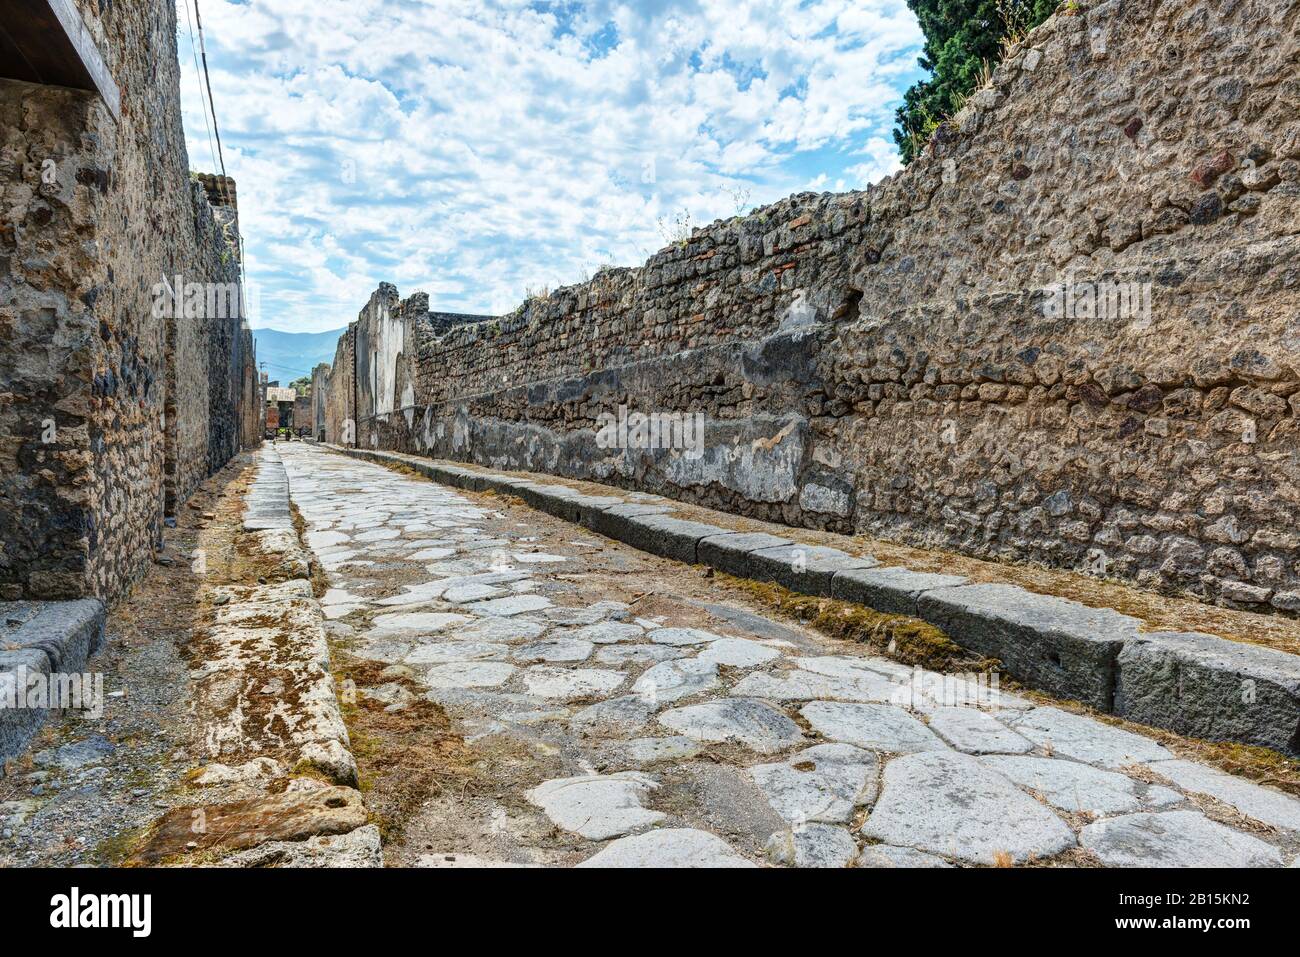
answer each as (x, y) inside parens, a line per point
(480, 149)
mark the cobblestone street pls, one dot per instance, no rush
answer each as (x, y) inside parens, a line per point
(623, 716)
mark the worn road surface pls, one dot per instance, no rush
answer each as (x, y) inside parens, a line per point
(611, 709)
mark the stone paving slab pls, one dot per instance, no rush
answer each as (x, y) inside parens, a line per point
(668, 847)
(670, 681)
(598, 806)
(806, 686)
(822, 783)
(1082, 739)
(813, 845)
(1175, 839)
(952, 805)
(1076, 787)
(881, 727)
(755, 724)
(1255, 801)
(974, 732)
(885, 855)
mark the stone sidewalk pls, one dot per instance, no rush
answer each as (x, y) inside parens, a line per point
(629, 720)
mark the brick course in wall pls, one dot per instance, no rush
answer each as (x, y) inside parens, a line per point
(922, 360)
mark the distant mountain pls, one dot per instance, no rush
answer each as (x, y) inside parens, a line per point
(292, 355)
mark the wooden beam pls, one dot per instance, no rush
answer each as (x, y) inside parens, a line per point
(46, 41)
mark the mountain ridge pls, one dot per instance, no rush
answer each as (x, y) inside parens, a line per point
(286, 356)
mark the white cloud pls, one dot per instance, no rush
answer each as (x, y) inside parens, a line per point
(472, 149)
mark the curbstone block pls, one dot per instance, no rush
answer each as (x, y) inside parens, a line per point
(614, 521)
(668, 537)
(807, 569)
(46, 638)
(891, 590)
(731, 553)
(1058, 646)
(1212, 688)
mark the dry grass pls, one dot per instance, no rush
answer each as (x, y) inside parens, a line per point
(909, 640)
(404, 758)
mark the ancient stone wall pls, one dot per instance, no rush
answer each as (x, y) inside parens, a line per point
(340, 392)
(107, 402)
(1067, 334)
(252, 403)
(227, 331)
(319, 390)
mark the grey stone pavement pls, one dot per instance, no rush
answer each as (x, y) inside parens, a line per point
(693, 734)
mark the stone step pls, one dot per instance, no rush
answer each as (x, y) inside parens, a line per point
(37, 640)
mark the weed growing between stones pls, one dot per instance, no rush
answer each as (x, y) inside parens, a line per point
(404, 757)
(119, 847)
(319, 583)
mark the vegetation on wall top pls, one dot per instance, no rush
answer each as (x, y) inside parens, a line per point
(963, 40)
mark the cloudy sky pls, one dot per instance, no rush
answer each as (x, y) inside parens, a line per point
(477, 149)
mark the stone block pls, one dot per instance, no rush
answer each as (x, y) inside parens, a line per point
(891, 590)
(615, 521)
(673, 538)
(807, 569)
(1209, 687)
(58, 637)
(1052, 644)
(730, 553)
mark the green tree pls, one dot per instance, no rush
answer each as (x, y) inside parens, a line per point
(963, 40)
(302, 386)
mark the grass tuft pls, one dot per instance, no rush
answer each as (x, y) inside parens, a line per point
(909, 640)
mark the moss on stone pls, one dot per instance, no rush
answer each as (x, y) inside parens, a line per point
(909, 640)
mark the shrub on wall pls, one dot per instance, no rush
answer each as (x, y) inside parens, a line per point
(963, 40)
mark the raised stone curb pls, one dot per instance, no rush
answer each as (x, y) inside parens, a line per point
(669, 537)
(271, 634)
(40, 638)
(1205, 687)
(895, 591)
(616, 521)
(268, 498)
(1052, 644)
(731, 553)
(1093, 655)
(805, 568)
